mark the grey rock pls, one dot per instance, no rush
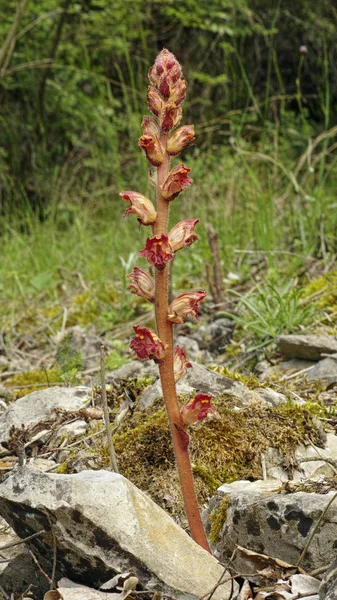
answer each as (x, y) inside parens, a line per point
(74, 591)
(309, 347)
(278, 524)
(191, 346)
(295, 365)
(270, 396)
(72, 430)
(20, 573)
(325, 369)
(201, 379)
(104, 525)
(215, 336)
(37, 406)
(328, 588)
(135, 368)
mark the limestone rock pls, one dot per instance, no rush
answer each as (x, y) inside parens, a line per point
(325, 369)
(201, 379)
(104, 525)
(278, 524)
(37, 406)
(309, 347)
(135, 368)
(20, 573)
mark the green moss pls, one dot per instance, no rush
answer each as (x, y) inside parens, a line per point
(63, 468)
(249, 381)
(34, 380)
(211, 482)
(218, 519)
(326, 289)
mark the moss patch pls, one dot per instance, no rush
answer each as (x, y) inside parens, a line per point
(218, 518)
(250, 381)
(34, 380)
(326, 289)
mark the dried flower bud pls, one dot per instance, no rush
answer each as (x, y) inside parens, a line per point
(154, 101)
(178, 92)
(179, 139)
(147, 344)
(141, 206)
(185, 304)
(197, 409)
(157, 251)
(182, 234)
(181, 363)
(170, 117)
(142, 284)
(176, 182)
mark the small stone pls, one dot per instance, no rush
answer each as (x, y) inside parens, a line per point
(310, 347)
(325, 369)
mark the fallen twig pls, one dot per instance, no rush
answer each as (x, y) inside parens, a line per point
(23, 541)
(112, 454)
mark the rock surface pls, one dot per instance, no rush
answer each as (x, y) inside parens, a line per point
(309, 347)
(260, 518)
(201, 379)
(104, 525)
(22, 572)
(37, 406)
(325, 369)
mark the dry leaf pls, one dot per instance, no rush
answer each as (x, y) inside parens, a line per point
(52, 595)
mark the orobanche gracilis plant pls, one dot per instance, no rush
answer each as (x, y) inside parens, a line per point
(160, 141)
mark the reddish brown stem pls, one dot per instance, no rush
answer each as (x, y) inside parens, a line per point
(166, 370)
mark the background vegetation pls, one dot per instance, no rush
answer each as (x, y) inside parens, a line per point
(262, 93)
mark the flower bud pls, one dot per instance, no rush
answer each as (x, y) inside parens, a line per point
(153, 149)
(178, 92)
(150, 126)
(141, 206)
(184, 305)
(154, 101)
(179, 139)
(181, 363)
(141, 284)
(176, 182)
(197, 409)
(158, 251)
(165, 72)
(170, 117)
(146, 344)
(182, 234)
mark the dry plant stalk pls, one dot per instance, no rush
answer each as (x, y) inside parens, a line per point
(161, 140)
(215, 282)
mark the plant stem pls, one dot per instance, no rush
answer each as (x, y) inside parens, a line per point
(166, 370)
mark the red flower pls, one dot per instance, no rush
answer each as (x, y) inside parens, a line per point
(158, 251)
(185, 304)
(170, 117)
(180, 138)
(141, 206)
(153, 149)
(141, 284)
(182, 234)
(197, 409)
(180, 362)
(176, 182)
(147, 344)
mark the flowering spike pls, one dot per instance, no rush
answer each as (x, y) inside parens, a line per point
(141, 284)
(181, 363)
(147, 344)
(157, 251)
(165, 72)
(179, 139)
(141, 206)
(182, 234)
(176, 182)
(197, 409)
(185, 304)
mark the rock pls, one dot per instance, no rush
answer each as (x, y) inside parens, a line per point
(270, 396)
(191, 346)
(310, 347)
(7, 536)
(135, 368)
(72, 430)
(215, 336)
(74, 591)
(104, 525)
(287, 367)
(325, 369)
(266, 520)
(43, 464)
(328, 588)
(37, 406)
(201, 379)
(22, 572)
